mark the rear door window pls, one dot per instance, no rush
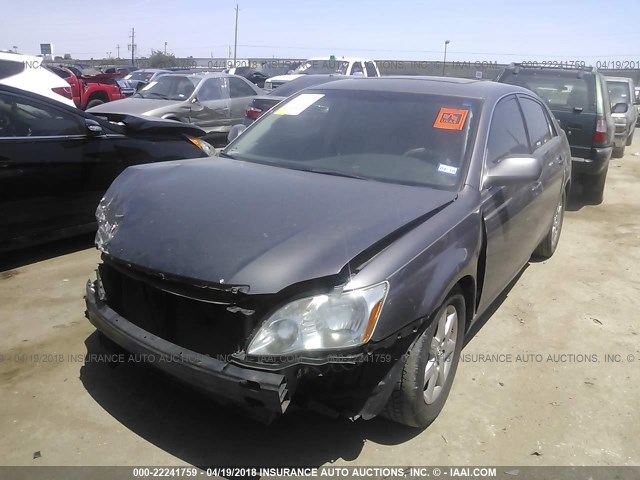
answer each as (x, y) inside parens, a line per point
(537, 123)
(9, 68)
(371, 69)
(238, 89)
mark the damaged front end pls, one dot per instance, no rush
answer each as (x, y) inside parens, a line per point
(259, 352)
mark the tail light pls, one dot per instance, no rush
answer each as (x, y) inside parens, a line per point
(600, 135)
(64, 91)
(253, 113)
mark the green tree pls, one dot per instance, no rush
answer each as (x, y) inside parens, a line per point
(67, 56)
(159, 60)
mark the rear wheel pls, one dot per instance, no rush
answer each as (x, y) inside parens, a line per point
(593, 186)
(429, 368)
(550, 242)
(94, 103)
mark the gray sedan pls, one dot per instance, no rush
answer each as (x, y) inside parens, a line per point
(338, 253)
(212, 101)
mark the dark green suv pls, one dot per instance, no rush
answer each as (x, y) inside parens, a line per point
(579, 99)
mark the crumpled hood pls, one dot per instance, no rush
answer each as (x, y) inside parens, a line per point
(136, 106)
(239, 223)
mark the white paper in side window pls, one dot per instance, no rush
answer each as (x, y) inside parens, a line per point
(299, 104)
(447, 169)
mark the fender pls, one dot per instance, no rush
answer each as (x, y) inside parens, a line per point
(434, 256)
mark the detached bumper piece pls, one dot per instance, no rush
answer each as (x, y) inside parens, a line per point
(263, 395)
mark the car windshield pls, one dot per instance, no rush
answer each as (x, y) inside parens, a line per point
(560, 90)
(323, 66)
(411, 139)
(619, 92)
(170, 87)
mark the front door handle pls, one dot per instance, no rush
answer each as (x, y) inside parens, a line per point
(536, 188)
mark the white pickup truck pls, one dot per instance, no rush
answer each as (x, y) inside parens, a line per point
(363, 67)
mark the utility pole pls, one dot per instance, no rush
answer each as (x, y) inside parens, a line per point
(165, 48)
(118, 47)
(132, 46)
(444, 63)
(235, 42)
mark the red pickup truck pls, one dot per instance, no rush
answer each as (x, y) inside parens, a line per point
(89, 91)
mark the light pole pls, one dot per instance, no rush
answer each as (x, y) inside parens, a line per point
(165, 48)
(444, 63)
(235, 40)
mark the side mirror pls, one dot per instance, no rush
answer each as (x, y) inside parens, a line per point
(235, 132)
(636, 101)
(620, 108)
(94, 129)
(512, 171)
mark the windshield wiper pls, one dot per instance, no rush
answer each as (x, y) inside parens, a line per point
(336, 173)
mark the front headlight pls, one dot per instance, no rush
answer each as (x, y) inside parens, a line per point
(204, 146)
(330, 321)
(107, 224)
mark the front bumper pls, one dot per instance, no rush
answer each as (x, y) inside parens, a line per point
(263, 395)
(342, 386)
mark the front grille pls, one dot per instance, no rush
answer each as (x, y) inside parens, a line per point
(201, 326)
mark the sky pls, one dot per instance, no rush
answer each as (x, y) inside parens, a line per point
(483, 30)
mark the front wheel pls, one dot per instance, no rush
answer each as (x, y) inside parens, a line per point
(548, 246)
(429, 368)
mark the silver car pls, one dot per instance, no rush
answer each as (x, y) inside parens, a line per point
(624, 112)
(212, 101)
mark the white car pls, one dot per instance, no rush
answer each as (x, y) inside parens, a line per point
(28, 73)
(362, 67)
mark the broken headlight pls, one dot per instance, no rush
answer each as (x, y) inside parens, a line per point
(107, 224)
(330, 321)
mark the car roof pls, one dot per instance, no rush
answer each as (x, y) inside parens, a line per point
(618, 79)
(451, 86)
(341, 59)
(19, 57)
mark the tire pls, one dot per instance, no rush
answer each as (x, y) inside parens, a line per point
(593, 187)
(93, 103)
(548, 246)
(618, 152)
(417, 400)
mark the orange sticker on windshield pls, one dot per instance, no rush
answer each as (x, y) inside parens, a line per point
(450, 119)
